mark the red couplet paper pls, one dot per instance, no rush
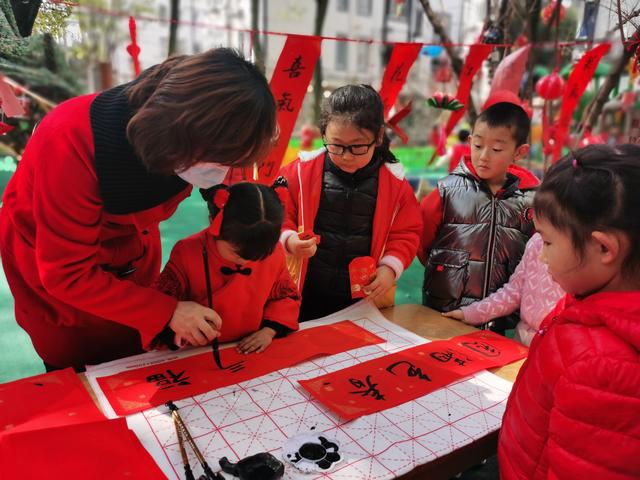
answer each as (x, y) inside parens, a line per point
(395, 75)
(48, 400)
(478, 52)
(508, 75)
(289, 84)
(140, 389)
(362, 270)
(395, 379)
(9, 103)
(579, 78)
(105, 449)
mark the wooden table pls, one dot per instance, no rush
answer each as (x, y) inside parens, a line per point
(430, 324)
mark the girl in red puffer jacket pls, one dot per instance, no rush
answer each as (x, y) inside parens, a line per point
(574, 411)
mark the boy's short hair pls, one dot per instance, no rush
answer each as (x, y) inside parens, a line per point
(463, 134)
(506, 114)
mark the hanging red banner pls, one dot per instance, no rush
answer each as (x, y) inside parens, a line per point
(43, 401)
(395, 379)
(133, 48)
(478, 52)
(580, 77)
(9, 103)
(289, 85)
(140, 389)
(395, 75)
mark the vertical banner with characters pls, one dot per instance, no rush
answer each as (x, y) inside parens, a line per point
(580, 77)
(478, 52)
(395, 75)
(289, 84)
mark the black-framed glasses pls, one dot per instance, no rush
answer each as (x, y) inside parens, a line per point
(335, 149)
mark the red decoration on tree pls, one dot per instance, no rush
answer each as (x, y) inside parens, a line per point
(550, 87)
(133, 49)
(444, 74)
(547, 12)
(5, 128)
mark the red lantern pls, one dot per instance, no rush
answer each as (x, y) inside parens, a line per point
(443, 74)
(550, 86)
(547, 12)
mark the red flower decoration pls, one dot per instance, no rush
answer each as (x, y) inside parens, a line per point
(547, 12)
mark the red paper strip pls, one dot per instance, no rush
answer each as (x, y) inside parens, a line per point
(580, 77)
(5, 128)
(395, 75)
(478, 52)
(48, 400)
(9, 103)
(133, 48)
(396, 118)
(136, 390)
(395, 379)
(508, 75)
(106, 449)
(362, 271)
(289, 84)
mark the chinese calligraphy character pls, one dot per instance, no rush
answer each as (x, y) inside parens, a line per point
(482, 347)
(448, 355)
(412, 370)
(294, 69)
(371, 390)
(161, 380)
(285, 102)
(397, 75)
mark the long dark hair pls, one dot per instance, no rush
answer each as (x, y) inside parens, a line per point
(362, 106)
(595, 188)
(252, 218)
(214, 106)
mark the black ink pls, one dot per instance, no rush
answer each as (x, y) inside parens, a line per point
(397, 75)
(449, 355)
(172, 380)
(296, 66)
(482, 347)
(412, 370)
(285, 102)
(370, 390)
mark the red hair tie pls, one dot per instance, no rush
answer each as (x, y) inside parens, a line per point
(220, 199)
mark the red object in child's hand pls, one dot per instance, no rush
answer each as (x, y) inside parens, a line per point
(362, 271)
(307, 234)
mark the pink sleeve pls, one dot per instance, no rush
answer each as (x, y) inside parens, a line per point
(505, 300)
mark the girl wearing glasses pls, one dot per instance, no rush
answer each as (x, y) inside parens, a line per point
(348, 200)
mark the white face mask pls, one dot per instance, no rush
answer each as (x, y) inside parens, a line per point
(204, 175)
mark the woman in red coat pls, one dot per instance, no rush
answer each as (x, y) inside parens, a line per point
(79, 234)
(239, 262)
(574, 411)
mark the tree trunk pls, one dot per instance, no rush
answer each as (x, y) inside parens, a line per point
(321, 13)
(258, 51)
(595, 107)
(456, 61)
(533, 8)
(173, 26)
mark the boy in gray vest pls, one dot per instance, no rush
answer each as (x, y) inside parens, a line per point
(478, 220)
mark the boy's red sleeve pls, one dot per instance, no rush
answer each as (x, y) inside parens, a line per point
(431, 210)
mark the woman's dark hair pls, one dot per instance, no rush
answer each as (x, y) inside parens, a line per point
(214, 106)
(595, 188)
(252, 218)
(362, 106)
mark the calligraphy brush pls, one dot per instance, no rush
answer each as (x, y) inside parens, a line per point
(179, 423)
(215, 346)
(188, 474)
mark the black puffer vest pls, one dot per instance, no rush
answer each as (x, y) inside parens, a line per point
(345, 224)
(480, 240)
